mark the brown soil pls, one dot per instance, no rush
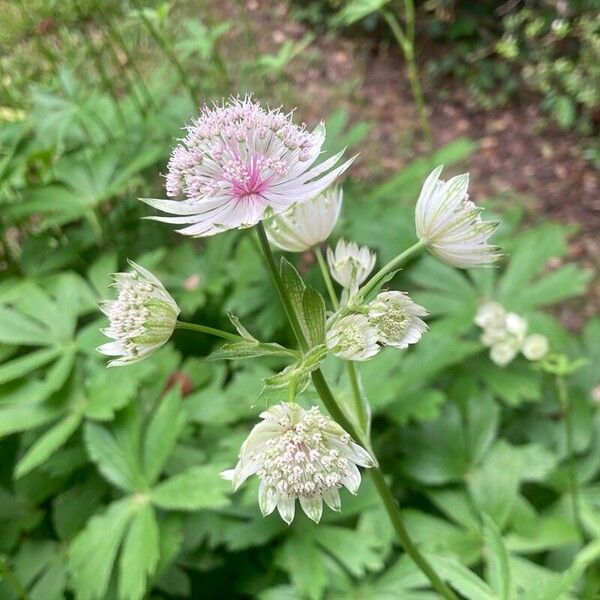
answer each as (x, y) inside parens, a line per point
(541, 167)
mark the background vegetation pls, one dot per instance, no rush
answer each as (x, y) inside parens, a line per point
(109, 482)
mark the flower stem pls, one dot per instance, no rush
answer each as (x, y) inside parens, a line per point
(361, 406)
(407, 45)
(378, 278)
(336, 412)
(7, 576)
(563, 398)
(326, 278)
(209, 330)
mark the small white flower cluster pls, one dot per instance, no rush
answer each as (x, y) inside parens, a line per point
(505, 334)
(142, 318)
(350, 264)
(392, 319)
(299, 454)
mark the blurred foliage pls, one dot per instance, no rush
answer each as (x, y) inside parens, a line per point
(109, 482)
(498, 51)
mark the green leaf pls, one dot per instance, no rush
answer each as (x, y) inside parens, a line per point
(16, 328)
(461, 578)
(140, 553)
(93, 552)
(114, 462)
(162, 433)
(313, 308)
(24, 365)
(22, 417)
(305, 565)
(193, 489)
(47, 444)
(248, 349)
(498, 567)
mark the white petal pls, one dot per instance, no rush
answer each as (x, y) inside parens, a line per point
(332, 499)
(313, 507)
(286, 508)
(352, 479)
(267, 499)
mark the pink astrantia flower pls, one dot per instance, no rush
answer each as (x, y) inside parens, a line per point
(240, 163)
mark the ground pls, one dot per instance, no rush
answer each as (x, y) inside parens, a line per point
(519, 155)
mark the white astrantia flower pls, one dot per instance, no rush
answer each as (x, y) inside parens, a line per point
(490, 315)
(535, 347)
(451, 225)
(241, 163)
(142, 318)
(516, 327)
(298, 453)
(353, 337)
(307, 223)
(350, 264)
(502, 353)
(396, 318)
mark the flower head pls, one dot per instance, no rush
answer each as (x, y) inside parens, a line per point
(535, 346)
(307, 223)
(240, 163)
(350, 264)
(451, 225)
(501, 353)
(490, 315)
(298, 453)
(142, 318)
(396, 318)
(353, 338)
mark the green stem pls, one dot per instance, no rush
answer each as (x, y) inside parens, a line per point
(377, 279)
(361, 406)
(209, 330)
(7, 575)
(336, 412)
(327, 278)
(283, 296)
(407, 46)
(563, 398)
(167, 51)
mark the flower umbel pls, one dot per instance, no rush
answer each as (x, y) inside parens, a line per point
(307, 223)
(451, 225)
(142, 318)
(240, 163)
(350, 264)
(298, 453)
(535, 347)
(396, 318)
(353, 338)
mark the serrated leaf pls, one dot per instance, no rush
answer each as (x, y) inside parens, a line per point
(24, 365)
(497, 562)
(193, 489)
(248, 349)
(140, 553)
(115, 462)
(161, 434)
(47, 444)
(313, 307)
(304, 563)
(461, 578)
(93, 551)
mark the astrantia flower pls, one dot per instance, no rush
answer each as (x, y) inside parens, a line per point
(142, 318)
(298, 453)
(490, 315)
(501, 353)
(350, 264)
(451, 225)
(307, 223)
(396, 318)
(240, 163)
(353, 338)
(535, 346)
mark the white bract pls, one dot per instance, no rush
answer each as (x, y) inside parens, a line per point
(535, 346)
(353, 338)
(451, 225)
(502, 353)
(396, 318)
(142, 318)
(241, 163)
(350, 264)
(298, 453)
(307, 223)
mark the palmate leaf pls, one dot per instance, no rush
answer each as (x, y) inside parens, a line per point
(497, 560)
